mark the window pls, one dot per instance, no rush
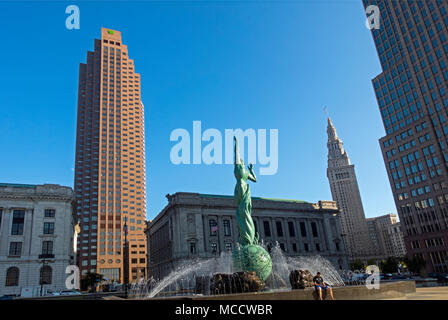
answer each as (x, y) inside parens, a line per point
(267, 228)
(47, 247)
(48, 227)
(294, 247)
(12, 277)
(314, 229)
(317, 247)
(227, 228)
(15, 249)
(18, 220)
(228, 246)
(306, 247)
(292, 232)
(282, 246)
(213, 227)
(303, 229)
(192, 248)
(50, 213)
(337, 246)
(45, 275)
(214, 247)
(279, 228)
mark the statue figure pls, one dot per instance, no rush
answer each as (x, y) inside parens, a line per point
(248, 256)
(243, 199)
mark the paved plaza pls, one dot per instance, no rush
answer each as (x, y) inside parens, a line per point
(428, 293)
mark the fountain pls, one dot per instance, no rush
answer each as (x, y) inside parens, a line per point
(249, 268)
(195, 277)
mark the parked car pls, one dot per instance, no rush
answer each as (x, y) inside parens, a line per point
(70, 293)
(442, 279)
(66, 293)
(385, 276)
(434, 275)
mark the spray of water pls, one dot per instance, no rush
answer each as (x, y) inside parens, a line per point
(183, 279)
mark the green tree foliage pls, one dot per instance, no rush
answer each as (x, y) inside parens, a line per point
(415, 264)
(371, 262)
(89, 280)
(390, 265)
(357, 265)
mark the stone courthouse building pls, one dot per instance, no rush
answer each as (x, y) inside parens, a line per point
(36, 237)
(194, 225)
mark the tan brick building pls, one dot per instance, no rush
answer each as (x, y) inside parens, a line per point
(385, 232)
(110, 177)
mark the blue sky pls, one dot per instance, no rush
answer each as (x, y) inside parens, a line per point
(229, 64)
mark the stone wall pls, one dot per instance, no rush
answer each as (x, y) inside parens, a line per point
(386, 290)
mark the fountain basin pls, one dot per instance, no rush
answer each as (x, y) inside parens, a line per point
(361, 292)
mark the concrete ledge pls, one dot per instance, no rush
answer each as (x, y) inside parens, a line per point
(386, 291)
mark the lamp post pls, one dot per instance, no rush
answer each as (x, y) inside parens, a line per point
(126, 260)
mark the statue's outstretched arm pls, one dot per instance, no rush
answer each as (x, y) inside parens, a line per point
(252, 175)
(237, 151)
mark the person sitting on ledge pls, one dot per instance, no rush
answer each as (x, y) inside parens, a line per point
(320, 285)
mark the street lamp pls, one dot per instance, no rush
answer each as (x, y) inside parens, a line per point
(126, 260)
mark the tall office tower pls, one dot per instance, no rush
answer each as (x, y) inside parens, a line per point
(412, 93)
(345, 191)
(110, 162)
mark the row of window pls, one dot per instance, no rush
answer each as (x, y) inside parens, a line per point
(228, 247)
(13, 276)
(15, 248)
(18, 221)
(213, 228)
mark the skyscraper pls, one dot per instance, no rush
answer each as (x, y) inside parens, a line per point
(412, 45)
(345, 191)
(110, 178)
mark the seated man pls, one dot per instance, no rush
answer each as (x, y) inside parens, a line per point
(320, 285)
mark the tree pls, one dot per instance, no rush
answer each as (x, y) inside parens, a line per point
(371, 262)
(415, 264)
(89, 280)
(357, 265)
(390, 265)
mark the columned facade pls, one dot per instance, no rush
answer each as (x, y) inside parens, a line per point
(36, 237)
(201, 226)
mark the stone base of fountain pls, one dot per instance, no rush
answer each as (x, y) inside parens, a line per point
(238, 282)
(300, 279)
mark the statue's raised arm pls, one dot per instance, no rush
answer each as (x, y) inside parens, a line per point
(237, 151)
(252, 175)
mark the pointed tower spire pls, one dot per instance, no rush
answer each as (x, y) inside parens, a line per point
(336, 153)
(331, 130)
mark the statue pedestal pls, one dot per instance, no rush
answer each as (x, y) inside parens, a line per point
(252, 258)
